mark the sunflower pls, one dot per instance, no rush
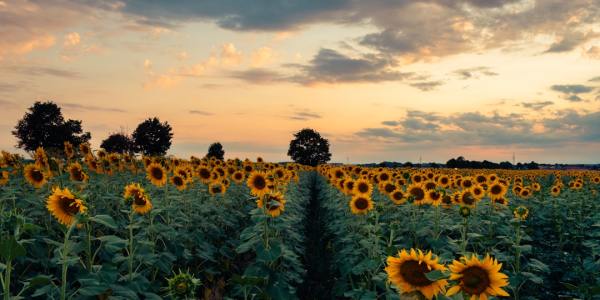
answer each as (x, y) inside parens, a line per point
(478, 278)
(434, 196)
(238, 176)
(525, 193)
(274, 203)
(418, 193)
(361, 204)
(387, 187)
(85, 149)
(384, 176)
(408, 272)
(40, 157)
(501, 200)
(497, 190)
(555, 190)
(76, 172)
(156, 174)
(140, 201)
(467, 198)
(64, 206)
(4, 178)
(35, 175)
(179, 182)
(362, 187)
(69, 153)
(429, 185)
(216, 188)
(398, 196)
(478, 192)
(446, 201)
(521, 212)
(258, 183)
(443, 181)
(466, 182)
(348, 186)
(536, 186)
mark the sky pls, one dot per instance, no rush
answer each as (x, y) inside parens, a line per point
(381, 80)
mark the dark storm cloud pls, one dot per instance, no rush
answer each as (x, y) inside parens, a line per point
(536, 105)
(475, 128)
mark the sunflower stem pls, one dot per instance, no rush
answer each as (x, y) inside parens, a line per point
(464, 240)
(130, 258)
(6, 281)
(88, 250)
(64, 256)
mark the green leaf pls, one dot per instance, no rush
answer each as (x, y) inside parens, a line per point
(105, 220)
(435, 275)
(92, 290)
(268, 255)
(11, 249)
(570, 286)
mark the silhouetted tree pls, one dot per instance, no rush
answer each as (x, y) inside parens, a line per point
(45, 126)
(152, 137)
(216, 150)
(309, 148)
(118, 142)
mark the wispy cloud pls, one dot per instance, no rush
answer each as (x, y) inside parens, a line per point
(84, 107)
(304, 116)
(200, 112)
(43, 71)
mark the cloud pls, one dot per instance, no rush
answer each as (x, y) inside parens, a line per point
(475, 72)
(261, 56)
(331, 66)
(570, 41)
(304, 116)
(536, 105)
(571, 92)
(478, 129)
(71, 40)
(593, 52)
(426, 85)
(259, 76)
(200, 112)
(84, 107)
(42, 71)
(597, 78)
(230, 55)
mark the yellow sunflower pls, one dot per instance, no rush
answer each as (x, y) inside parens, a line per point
(387, 187)
(521, 212)
(443, 181)
(555, 191)
(35, 175)
(216, 188)
(238, 176)
(418, 193)
(157, 174)
(179, 182)
(434, 196)
(398, 196)
(478, 278)
(140, 201)
(258, 183)
(64, 206)
(407, 272)
(362, 187)
(361, 204)
(274, 203)
(69, 153)
(497, 190)
(467, 198)
(85, 149)
(76, 172)
(4, 178)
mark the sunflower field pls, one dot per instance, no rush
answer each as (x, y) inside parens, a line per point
(86, 224)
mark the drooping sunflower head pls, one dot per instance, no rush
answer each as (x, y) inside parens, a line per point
(273, 203)
(521, 212)
(85, 149)
(258, 183)
(69, 153)
(76, 172)
(35, 175)
(361, 204)
(179, 182)
(133, 191)
(407, 271)
(478, 278)
(362, 187)
(64, 206)
(157, 174)
(40, 157)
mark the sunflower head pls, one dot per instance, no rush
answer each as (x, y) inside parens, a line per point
(478, 278)
(555, 190)
(183, 286)
(179, 182)
(4, 178)
(69, 153)
(76, 172)
(417, 193)
(258, 183)
(496, 190)
(407, 271)
(35, 175)
(464, 211)
(468, 199)
(238, 176)
(521, 212)
(360, 204)
(273, 203)
(157, 174)
(64, 206)
(216, 188)
(398, 196)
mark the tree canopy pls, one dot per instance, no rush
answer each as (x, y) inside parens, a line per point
(44, 126)
(118, 142)
(216, 150)
(152, 137)
(309, 148)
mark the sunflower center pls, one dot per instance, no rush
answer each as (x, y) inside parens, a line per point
(68, 206)
(259, 182)
(216, 189)
(37, 175)
(414, 272)
(475, 280)
(389, 188)
(157, 173)
(397, 195)
(467, 183)
(418, 193)
(496, 189)
(363, 187)
(178, 181)
(361, 203)
(468, 199)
